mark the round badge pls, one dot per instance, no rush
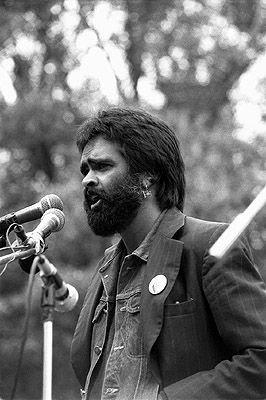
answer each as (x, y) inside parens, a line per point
(157, 284)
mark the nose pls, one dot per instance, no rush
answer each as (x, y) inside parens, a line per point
(90, 179)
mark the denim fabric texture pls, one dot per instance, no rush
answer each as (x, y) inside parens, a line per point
(120, 369)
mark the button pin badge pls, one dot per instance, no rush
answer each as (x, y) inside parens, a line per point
(157, 284)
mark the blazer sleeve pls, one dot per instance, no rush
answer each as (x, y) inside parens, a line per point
(236, 295)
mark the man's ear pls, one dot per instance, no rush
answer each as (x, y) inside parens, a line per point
(147, 181)
(150, 180)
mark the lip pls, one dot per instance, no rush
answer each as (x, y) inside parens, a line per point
(92, 198)
(96, 205)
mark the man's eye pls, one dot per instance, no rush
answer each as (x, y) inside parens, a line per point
(102, 166)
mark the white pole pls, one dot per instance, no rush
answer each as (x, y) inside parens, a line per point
(47, 359)
(238, 225)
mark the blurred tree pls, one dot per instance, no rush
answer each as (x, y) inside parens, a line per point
(224, 174)
(199, 52)
(193, 52)
(35, 127)
(43, 115)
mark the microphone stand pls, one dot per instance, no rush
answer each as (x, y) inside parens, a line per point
(48, 306)
(48, 303)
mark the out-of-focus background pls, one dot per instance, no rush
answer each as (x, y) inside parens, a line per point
(198, 64)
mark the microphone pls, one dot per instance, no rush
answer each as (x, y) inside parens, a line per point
(53, 220)
(30, 213)
(66, 296)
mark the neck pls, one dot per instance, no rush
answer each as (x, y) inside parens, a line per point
(134, 234)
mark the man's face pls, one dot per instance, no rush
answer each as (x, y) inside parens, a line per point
(112, 196)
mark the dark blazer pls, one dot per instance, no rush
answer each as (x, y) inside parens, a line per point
(205, 332)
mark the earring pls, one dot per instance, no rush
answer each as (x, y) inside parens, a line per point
(146, 192)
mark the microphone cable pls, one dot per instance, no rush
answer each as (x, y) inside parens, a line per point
(28, 307)
(14, 249)
(9, 247)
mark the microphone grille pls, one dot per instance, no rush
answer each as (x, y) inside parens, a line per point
(57, 217)
(51, 201)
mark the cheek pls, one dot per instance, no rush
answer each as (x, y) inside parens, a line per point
(112, 180)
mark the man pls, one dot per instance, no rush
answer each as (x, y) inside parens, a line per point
(161, 319)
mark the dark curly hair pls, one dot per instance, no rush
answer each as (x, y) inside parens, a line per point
(148, 144)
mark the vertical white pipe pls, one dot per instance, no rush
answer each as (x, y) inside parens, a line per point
(47, 359)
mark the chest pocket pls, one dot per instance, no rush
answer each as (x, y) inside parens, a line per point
(131, 329)
(180, 308)
(99, 324)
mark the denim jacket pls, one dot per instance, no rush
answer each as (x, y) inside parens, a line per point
(119, 366)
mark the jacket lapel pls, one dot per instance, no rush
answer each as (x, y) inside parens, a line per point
(81, 343)
(80, 348)
(164, 259)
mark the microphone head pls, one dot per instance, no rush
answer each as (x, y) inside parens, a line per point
(69, 303)
(56, 217)
(51, 201)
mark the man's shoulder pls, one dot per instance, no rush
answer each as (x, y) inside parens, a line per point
(203, 225)
(175, 224)
(202, 232)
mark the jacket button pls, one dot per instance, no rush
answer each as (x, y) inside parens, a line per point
(97, 350)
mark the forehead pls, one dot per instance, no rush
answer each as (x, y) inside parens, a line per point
(99, 148)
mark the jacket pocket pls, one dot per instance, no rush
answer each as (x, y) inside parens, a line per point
(180, 309)
(131, 328)
(178, 346)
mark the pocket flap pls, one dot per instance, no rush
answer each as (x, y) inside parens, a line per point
(99, 310)
(133, 305)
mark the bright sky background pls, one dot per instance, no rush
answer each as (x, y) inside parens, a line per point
(94, 63)
(250, 100)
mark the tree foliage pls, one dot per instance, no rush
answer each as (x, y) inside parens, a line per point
(191, 52)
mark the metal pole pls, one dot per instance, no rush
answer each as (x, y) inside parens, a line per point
(237, 226)
(47, 359)
(48, 304)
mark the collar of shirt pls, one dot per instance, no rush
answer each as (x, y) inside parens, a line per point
(165, 224)
(142, 251)
(144, 248)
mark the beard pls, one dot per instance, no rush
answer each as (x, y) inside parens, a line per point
(117, 209)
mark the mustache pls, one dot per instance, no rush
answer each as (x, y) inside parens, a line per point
(129, 186)
(92, 193)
